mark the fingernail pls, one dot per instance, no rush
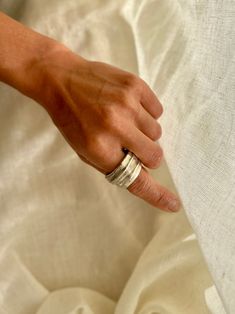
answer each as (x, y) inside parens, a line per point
(174, 205)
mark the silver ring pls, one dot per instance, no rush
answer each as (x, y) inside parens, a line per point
(126, 172)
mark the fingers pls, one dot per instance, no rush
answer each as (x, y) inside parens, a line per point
(148, 125)
(149, 190)
(150, 101)
(149, 152)
(144, 185)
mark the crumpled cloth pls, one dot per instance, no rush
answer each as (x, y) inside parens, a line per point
(72, 243)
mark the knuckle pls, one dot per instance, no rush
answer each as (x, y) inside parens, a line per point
(139, 186)
(132, 111)
(161, 197)
(131, 81)
(112, 121)
(109, 115)
(110, 112)
(127, 105)
(95, 145)
(154, 159)
(117, 127)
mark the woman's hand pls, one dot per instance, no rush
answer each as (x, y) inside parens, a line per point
(101, 109)
(98, 108)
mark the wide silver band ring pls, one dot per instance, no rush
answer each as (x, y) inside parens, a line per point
(125, 173)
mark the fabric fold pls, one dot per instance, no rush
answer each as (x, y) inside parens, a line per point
(71, 242)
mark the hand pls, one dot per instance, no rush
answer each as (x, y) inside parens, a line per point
(101, 109)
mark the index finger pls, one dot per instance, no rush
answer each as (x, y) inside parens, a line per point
(152, 192)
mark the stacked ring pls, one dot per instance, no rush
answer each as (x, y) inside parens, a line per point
(125, 173)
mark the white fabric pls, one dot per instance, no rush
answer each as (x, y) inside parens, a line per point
(71, 242)
(213, 301)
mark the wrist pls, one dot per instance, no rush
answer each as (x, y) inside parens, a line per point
(34, 72)
(51, 74)
(26, 74)
(22, 53)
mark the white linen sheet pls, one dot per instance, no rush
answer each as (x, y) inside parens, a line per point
(71, 242)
